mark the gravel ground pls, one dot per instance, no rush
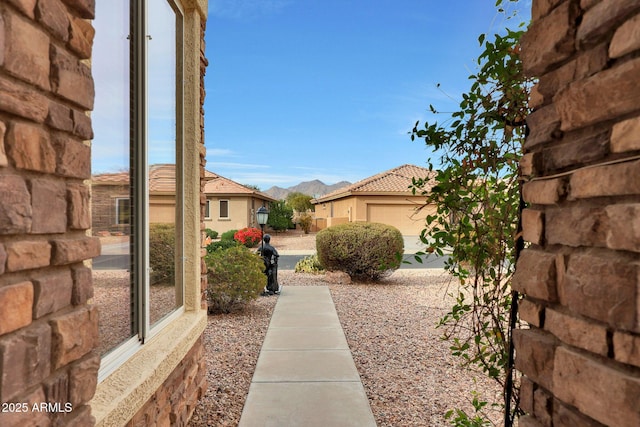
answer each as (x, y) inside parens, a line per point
(407, 371)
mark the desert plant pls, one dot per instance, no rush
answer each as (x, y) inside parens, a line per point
(309, 264)
(305, 220)
(228, 235)
(162, 238)
(248, 236)
(366, 251)
(212, 234)
(235, 278)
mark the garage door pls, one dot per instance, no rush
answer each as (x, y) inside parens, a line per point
(403, 217)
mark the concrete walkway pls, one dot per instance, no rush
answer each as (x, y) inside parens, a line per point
(305, 375)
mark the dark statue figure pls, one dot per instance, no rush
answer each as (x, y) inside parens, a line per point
(270, 257)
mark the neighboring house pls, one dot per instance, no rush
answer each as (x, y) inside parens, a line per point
(231, 206)
(385, 198)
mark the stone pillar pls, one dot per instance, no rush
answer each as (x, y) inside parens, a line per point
(48, 369)
(580, 356)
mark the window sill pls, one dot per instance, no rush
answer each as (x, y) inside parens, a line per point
(121, 395)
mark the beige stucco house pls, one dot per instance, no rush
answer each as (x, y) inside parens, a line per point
(231, 206)
(228, 206)
(385, 198)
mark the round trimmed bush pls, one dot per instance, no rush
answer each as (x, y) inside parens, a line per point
(363, 250)
(235, 278)
(162, 242)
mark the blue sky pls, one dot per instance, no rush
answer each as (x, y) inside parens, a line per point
(328, 89)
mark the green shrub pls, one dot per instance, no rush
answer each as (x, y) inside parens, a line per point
(212, 234)
(220, 245)
(235, 278)
(228, 235)
(280, 216)
(309, 264)
(162, 238)
(367, 251)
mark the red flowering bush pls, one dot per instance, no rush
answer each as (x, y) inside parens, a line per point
(249, 236)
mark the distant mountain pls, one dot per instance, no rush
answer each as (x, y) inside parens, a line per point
(315, 188)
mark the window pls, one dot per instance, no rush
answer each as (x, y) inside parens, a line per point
(123, 211)
(137, 123)
(224, 209)
(207, 209)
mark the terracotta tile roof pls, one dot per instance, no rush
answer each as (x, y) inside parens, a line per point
(396, 180)
(162, 180)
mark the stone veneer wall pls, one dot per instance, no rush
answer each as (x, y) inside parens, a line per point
(47, 329)
(581, 275)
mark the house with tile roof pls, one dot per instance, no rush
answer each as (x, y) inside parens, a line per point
(386, 198)
(229, 205)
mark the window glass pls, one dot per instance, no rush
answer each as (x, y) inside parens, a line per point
(224, 209)
(207, 209)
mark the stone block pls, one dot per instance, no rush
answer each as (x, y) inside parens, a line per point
(25, 6)
(550, 40)
(602, 286)
(601, 18)
(49, 206)
(626, 135)
(545, 191)
(82, 125)
(30, 418)
(52, 292)
(626, 348)
(69, 251)
(577, 332)
(536, 98)
(576, 226)
(611, 180)
(613, 90)
(606, 394)
(543, 406)
(79, 207)
(535, 352)
(59, 117)
(52, 15)
(544, 126)
(527, 388)
(71, 79)
(529, 164)
(15, 209)
(56, 388)
(529, 421)
(550, 83)
(27, 254)
(83, 380)
(577, 148)
(74, 335)
(535, 275)
(3, 258)
(626, 39)
(85, 8)
(541, 8)
(82, 285)
(623, 232)
(533, 226)
(73, 157)
(4, 160)
(569, 417)
(592, 61)
(81, 35)
(25, 51)
(22, 100)
(25, 360)
(29, 148)
(531, 312)
(16, 302)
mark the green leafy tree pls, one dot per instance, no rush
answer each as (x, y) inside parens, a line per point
(477, 196)
(299, 201)
(280, 216)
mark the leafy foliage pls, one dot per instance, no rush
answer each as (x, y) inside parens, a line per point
(211, 234)
(228, 235)
(476, 193)
(221, 245)
(299, 201)
(367, 251)
(280, 216)
(309, 264)
(234, 278)
(248, 236)
(162, 238)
